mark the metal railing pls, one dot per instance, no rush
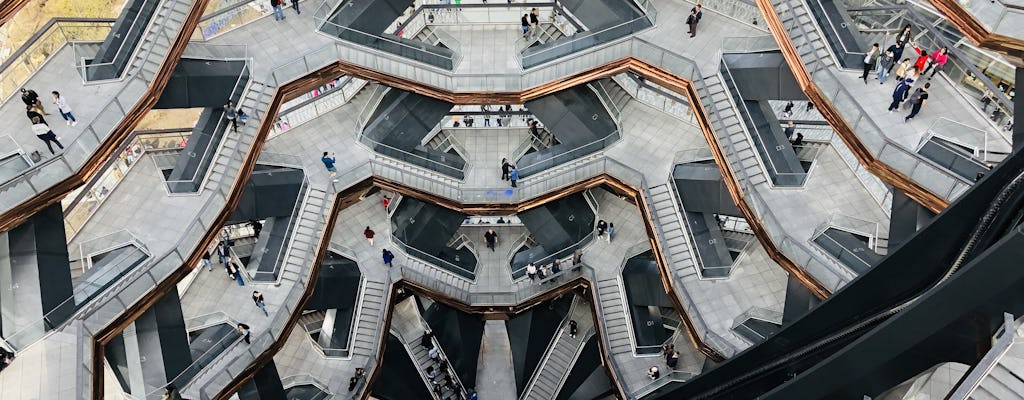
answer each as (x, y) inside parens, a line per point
(951, 130)
(82, 203)
(740, 10)
(1002, 340)
(1007, 21)
(776, 176)
(536, 56)
(46, 42)
(192, 184)
(156, 21)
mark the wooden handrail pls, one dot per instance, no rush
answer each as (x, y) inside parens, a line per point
(845, 131)
(10, 7)
(965, 22)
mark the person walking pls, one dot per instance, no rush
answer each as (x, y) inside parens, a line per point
(295, 5)
(246, 332)
(939, 60)
(329, 163)
(897, 52)
(386, 202)
(917, 101)
(388, 257)
(535, 18)
(31, 98)
(237, 273)
(531, 271)
(573, 328)
(257, 298)
(870, 58)
(63, 108)
(611, 231)
(205, 261)
(524, 24)
(900, 93)
(491, 238)
(884, 65)
(505, 168)
(369, 233)
(513, 176)
(43, 132)
(278, 12)
(231, 115)
(788, 111)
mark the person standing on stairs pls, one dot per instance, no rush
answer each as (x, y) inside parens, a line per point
(573, 328)
(231, 115)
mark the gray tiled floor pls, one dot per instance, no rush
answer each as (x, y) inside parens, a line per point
(487, 49)
(58, 73)
(703, 49)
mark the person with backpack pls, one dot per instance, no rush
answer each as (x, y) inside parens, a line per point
(917, 101)
(278, 12)
(870, 58)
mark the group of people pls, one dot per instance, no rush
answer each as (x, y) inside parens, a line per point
(35, 112)
(530, 22)
(503, 116)
(439, 371)
(544, 271)
(605, 228)
(907, 72)
(278, 5)
(509, 172)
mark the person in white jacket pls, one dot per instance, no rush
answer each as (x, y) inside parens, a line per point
(44, 133)
(64, 108)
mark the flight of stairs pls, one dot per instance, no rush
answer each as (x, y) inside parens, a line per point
(674, 239)
(168, 20)
(305, 237)
(1006, 379)
(616, 323)
(368, 322)
(803, 32)
(555, 366)
(618, 97)
(229, 156)
(548, 32)
(420, 356)
(434, 277)
(732, 138)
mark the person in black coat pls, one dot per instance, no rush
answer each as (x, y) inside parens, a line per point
(694, 19)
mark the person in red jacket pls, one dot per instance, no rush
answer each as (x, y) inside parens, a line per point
(923, 59)
(368, 233)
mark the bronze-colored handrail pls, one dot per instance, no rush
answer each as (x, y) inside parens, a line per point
(964, 21)
(10, 7)
(94, 164)
(315, 79)
(883, 171)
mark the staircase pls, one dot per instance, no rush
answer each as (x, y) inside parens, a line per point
(803, 32)
(669, 220)
(254, 102)
(312, 321)
(732, 138)
(368, 322)
(616, 323)
(155, 43)
(420, 357)
(1004, 381)
(618, 95)
(434, 277)
(561, 356)
(548, 32)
